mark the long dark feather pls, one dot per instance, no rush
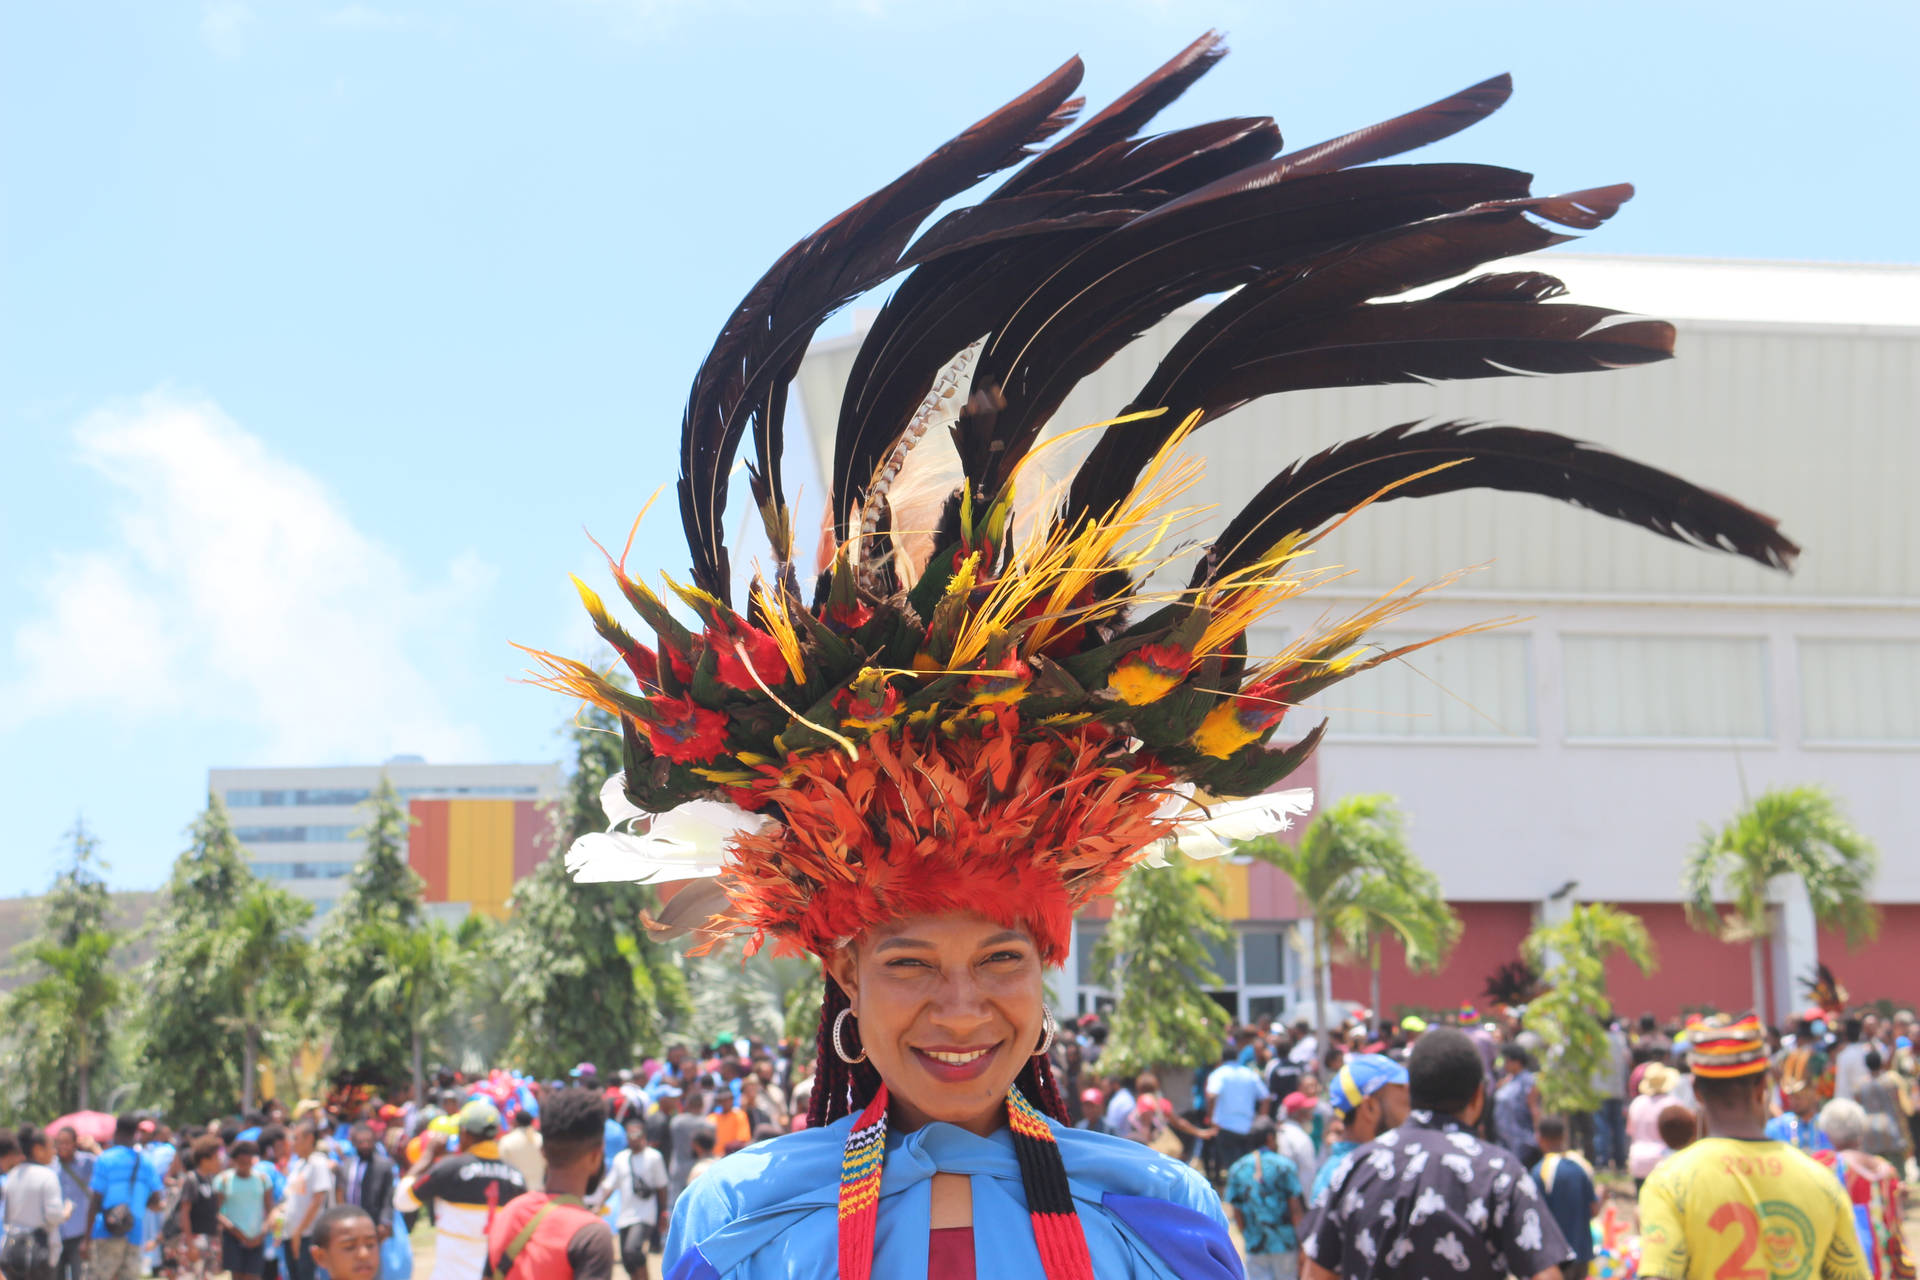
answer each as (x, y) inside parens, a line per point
(1124, 117)
(946, 305)
(1097, 302)
(767, 335)
(1286, 300)
(1403, 133)
(1309, 494)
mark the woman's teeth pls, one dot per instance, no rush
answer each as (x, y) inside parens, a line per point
(957, 1059)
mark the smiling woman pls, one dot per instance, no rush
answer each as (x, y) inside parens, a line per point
(995, 705)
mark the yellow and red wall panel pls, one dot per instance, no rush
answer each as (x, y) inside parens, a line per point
(475, 851)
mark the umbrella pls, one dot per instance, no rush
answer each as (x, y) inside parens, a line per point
(97, 1125)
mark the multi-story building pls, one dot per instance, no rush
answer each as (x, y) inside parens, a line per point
(475, 829)
(1644, 688)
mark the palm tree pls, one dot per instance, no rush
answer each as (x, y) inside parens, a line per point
(1408, 905)
(1787, 831)
(76, 991)
(260, 954)
(1571, 1015)
(418, 969)
(1353, 870)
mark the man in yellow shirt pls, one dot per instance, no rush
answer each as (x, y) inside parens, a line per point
(1736, 1205)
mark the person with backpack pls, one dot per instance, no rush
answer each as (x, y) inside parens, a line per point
(74, 1168)
(640, 1176)
(123, 1188)
(199, 1210)
(31, 1207)
(551, 1234)
(309, 1194)
(246, 1202)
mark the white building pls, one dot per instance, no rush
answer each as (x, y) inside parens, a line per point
(1645, 687)
(475, 829)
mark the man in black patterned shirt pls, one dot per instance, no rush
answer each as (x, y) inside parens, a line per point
(1429, 1192)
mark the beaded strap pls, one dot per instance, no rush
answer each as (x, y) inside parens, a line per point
(1056, 1226)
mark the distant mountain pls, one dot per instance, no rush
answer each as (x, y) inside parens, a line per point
(20, 920)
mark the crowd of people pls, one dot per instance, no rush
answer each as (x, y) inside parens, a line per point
(1440, 1125)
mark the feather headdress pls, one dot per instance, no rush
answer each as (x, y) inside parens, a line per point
(1002, 708)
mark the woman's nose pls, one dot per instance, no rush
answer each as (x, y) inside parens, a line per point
(960, 1001)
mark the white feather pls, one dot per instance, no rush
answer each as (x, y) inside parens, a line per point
(1213, 830)
(684, 843)
(614, 802)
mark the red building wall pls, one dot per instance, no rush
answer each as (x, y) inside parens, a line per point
(1888, 968)
(1691, 969)
(1490, 936)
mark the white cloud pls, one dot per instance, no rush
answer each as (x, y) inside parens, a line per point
(224, 25)
(233, 588)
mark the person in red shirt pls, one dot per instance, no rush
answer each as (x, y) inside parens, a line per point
(550, 1234)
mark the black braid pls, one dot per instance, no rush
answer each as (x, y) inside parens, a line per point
(838, 1089)
(1036, 1080)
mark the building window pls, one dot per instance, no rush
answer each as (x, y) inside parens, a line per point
(257, 799)
(302, 870)
(1672, 688)
(1476, 686)
(410, 793)
(1860, 691)
(1253, 967)
(293, 835)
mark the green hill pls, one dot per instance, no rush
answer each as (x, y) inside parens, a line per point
(19, 920)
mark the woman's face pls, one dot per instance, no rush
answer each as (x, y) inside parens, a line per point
(949, 1011)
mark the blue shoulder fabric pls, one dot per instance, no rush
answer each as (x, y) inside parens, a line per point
(1195, 1245)
(691, 1265)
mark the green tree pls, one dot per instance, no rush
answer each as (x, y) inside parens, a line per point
(745, 995)
(1571, 1016)
(1410, 906)
(258, 955)
(585, 981)
(382, 891)
(60, 1022)
(419, 974)
(190, 1054)
(1154, 956)
(1798, 832)
(479, 1022)
(1354, 872)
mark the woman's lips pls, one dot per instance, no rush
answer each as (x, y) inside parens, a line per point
(956, 1065)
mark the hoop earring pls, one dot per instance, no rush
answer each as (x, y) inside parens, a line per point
(838, 1046)
(1052, 1029)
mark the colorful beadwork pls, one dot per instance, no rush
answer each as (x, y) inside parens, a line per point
(1056, 1226)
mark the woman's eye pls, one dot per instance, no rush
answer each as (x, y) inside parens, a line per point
(905, 963)
(1001, 956)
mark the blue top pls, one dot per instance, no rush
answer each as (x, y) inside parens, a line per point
(1791, 1129)
(1569, 1198)
(771, 1212)
(75, 1187)
(122, 1177)
(614, 1137)
(1262, 1184)
(1237, 1092)
(1335, 1161)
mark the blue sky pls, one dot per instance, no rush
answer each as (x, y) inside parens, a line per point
(329, 327)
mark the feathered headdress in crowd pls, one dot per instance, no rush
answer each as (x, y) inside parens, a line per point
(1824, 989)
(1003, 699)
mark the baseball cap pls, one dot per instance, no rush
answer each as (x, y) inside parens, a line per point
(584, 1069)
(1413, 1022)
(479, 1118)
(1296, 1101)
(1362, 1075)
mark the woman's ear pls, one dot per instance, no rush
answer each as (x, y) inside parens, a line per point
(843, 966)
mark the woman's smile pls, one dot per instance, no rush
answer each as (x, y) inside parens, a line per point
(956, 1066)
